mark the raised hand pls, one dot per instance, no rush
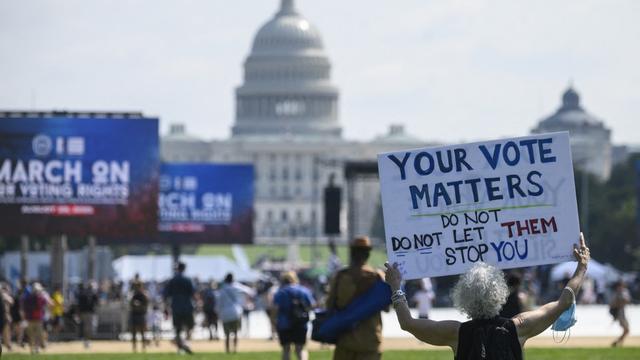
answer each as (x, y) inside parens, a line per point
(393, 276)
(581, 252)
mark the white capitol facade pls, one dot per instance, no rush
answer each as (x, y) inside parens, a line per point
(287, 126)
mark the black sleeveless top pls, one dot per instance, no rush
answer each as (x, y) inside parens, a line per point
(489, 339)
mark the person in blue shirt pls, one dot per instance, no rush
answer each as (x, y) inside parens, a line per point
(180, 290)
(293, 303)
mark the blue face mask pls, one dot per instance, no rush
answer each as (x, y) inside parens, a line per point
(566, 320)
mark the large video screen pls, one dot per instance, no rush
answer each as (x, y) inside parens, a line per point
(206, 203)
(79, 176)
(638, 192)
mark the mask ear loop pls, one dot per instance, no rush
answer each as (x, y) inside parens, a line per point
(565, 336)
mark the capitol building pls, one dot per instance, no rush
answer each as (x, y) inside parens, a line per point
(287, 125)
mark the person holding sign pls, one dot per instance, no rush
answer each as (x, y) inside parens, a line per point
(480, 293)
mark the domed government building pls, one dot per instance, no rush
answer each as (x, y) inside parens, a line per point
(287, 125)
(590, 140)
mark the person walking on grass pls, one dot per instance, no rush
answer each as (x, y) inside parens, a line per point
(292, 305)
(480, 293)
(87, 303)
(17, 315)
(620, 299)
(138, 305)
(423, 298)
(180, 291)
(208, 296)
(57, 311)
(6, 301)
(34, 304)
(154, 320)
(231, 297)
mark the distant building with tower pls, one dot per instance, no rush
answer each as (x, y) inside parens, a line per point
(590, 139)
(287, 125)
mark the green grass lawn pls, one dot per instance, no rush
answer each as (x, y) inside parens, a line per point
(254, 252)
(541, 354)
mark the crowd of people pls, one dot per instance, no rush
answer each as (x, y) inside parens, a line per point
(30, 315)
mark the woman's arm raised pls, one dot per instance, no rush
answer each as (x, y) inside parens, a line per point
(442, 333)
(532, 323)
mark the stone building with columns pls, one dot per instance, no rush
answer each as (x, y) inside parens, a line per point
(287, 125)
(590, 139)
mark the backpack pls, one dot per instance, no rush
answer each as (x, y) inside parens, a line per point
(491, 341)
(30, 304)
(299, 311)
(209, 300)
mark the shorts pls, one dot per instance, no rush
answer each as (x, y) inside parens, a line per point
(183, 321)
(137, 320)
(294, 335)
(231, 326)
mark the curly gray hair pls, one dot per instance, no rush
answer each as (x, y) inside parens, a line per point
(480, 292)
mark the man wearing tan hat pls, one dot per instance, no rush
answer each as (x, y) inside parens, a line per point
(363, 342)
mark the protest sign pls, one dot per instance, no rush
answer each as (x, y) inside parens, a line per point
(79, 176)
(510, 203)
(206, 203)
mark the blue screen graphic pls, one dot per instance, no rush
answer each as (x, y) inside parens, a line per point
(79, 176)
(206, 203)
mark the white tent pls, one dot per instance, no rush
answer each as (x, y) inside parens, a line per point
(159, 268)
(603, 274)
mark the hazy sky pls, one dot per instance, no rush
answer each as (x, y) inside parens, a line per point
(448, 70)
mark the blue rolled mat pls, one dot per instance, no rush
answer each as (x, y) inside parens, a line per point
(376, 299)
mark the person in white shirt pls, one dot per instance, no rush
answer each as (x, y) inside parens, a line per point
(154, 319)
(424, 298)
(230, 298)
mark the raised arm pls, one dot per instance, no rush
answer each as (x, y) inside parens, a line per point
(532, 323)
(443, 333)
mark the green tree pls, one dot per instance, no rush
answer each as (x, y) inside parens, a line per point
(613, 230)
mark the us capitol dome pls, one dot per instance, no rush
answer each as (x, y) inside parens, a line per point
(287, 87)
(286, 126)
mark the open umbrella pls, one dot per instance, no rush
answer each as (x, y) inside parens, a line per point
(603, 274)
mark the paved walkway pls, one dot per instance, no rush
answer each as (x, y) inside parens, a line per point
(248, 345)
(593, 329)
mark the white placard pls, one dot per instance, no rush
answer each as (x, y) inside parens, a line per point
(508, 202)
